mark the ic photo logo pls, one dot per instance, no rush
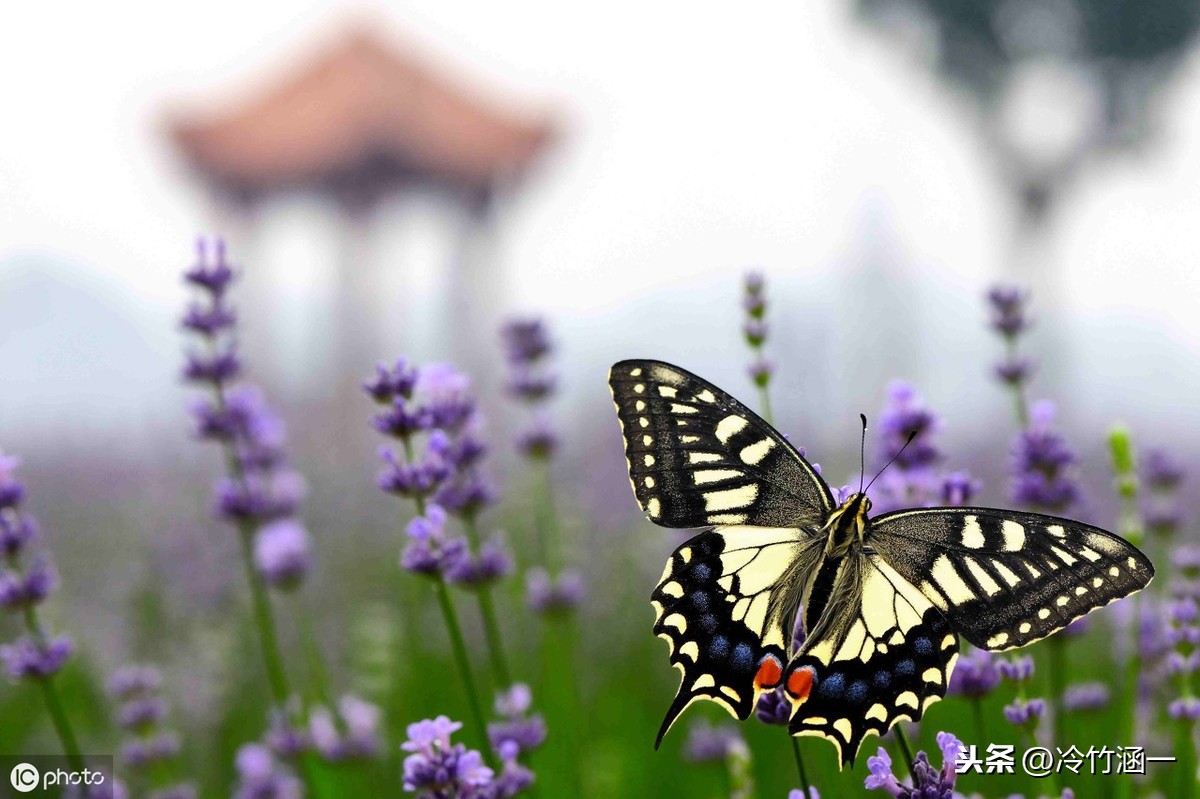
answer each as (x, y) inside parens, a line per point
(24, 777)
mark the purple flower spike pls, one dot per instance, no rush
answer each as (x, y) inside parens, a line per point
(355, 734)
(881, 776)
(976, 675)
(437, 768)
(760, 371)
(11, 490)
(1041, 461)
(281, 553)
(708, 743)
(1086, 696)
(1162, 470)
(1018, 669)
(27, 658)
(525, 340)
(796, 793)
(1009, 310)
(132, 680)
(261, 776)
(17, 530)
(1186, 709)
(959, 488)
(1022, 713)
(548, 595)
(390, 383)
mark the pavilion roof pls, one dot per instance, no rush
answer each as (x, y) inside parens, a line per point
(364, 115)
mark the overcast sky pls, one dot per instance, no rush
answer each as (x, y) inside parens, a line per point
(699, 141)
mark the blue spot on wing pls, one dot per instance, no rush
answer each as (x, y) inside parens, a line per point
(701, 572)
(832, 686)
(923, 646)
(857, 692)
(882, 679)
(708, 622)
(743, 657)
(700, 600)
(719, 647)
(906, 667)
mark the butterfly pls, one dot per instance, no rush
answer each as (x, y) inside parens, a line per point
(884, 599)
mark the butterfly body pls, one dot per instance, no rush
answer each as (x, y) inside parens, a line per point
(884, 599)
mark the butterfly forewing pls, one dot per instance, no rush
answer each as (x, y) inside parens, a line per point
(1006, 578)
(725, 605)
(698, 457)
(881, 653)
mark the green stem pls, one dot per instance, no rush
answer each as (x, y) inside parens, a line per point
(549, 547)
(312, 653)
(1184, 771)
(902, 741)
(764, 398)
(1056, 665)
(980, 724)
(464, 665)
(62, 725)
(264, 619)
(487, 611)
(799, 764)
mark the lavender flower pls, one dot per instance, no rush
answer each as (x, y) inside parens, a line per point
(1009, 306)
(708, 743)
(796, 793)
(1018, 669)
(147, 743)
(36, 655)
(519, 731)
(547, 595)
(959, 488)
(355, 734)
(773, 708)
(928, 782)
(531, 380)
(1041, 464)
(1163, 474)
(493, 563)
(436, 768)
(912, 479)
(281, 553)
(755, 330)
(431, 549)
(261, 776)
(1025, 712)
(976, 675)
(1085, 697)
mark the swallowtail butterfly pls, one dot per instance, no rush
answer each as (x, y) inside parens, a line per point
(884, 599)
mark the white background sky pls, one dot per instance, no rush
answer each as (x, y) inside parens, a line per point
(700, 141)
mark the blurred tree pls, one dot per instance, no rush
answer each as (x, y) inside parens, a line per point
(1056, 84)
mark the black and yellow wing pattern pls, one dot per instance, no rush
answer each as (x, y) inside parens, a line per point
(882, 616)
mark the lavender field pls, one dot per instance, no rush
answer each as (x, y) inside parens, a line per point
(479, 632)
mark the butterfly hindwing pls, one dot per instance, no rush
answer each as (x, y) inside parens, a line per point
(882, 652)
(725, 605)
(698, 457)
(1007, 578)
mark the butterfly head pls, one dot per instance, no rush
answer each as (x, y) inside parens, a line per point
(847, 524)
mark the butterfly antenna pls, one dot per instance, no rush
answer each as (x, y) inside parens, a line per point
(862, 453)
(911, 436)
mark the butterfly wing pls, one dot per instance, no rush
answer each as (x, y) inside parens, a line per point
(881, 652)
(698, 457)
(1006, 578)
(725, 605)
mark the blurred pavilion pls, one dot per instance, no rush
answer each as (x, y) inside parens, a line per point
(362, 123)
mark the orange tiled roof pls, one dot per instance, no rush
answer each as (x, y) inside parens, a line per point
(361, 111)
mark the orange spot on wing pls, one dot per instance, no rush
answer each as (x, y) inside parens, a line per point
(800, 683)
(769, 673)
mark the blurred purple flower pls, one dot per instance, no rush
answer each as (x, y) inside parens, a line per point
(539, 439)
(354, 734)
(1161, 470)
(437, 768)
(281, 553)
(261, 776)
(1009, 306)
(796, 793)
(493, 562)
(976, 675)
(1041, 464)
(525, 340)
(760, 371)
(1185, 709)
(959, 488)
(1025, 712)
(28, 657)
(133, 679)
(391, 382)
(546, 594)
(1085, 696)
(773, 708)
(708, 743)
(1018, 669)
(881, 777)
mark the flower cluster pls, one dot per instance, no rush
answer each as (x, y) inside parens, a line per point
(1009, 308)
(527, 347)
(1022, 712)
(261, 492)
(36, 654)
(928, 782)
(1184, 661)
(754, 302)
(1162, 474)
(519, 731)
(352, 733)
(445, 477)
(550, 595)
(1042, 475)
(976, 675)
(262, 776)
(913, 479)
(438, 769)
(141, 714)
